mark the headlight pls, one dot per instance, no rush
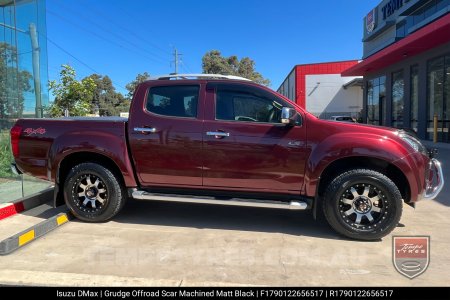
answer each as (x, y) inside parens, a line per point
(414, 143)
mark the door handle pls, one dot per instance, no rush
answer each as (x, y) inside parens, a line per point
(218, 134)
(145, 130)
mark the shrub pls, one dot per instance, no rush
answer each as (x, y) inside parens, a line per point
(6, 156)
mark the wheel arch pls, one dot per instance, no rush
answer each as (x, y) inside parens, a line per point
(73, 159)
(341, 165)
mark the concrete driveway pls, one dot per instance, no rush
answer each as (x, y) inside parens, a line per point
(154, 243)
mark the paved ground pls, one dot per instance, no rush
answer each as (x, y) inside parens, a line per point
(152, 243)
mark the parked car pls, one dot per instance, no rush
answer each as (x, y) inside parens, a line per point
(343, 119)
(225, 140)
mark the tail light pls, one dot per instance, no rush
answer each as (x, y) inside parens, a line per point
(15, 137)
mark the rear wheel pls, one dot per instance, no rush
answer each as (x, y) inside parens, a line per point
(93, 193)
(362, 204)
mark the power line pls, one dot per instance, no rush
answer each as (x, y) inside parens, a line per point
(80, 61)
(65, 51)
(142, 25)
(79, 14)
(56, 71)
(186, 66)
(103, 38)
(140, 38)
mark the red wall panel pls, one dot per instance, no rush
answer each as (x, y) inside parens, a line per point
(316, 69)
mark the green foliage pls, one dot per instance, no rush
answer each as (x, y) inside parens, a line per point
(6, 156)
(132, 85)
(13, 83)
(71, 94)
(214, 63)
(106, 100)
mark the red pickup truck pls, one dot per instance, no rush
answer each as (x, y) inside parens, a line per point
(225, 140)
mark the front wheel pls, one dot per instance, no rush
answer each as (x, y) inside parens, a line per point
(362, 204)
(93, 193)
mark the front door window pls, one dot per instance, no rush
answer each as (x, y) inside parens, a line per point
(238, 106)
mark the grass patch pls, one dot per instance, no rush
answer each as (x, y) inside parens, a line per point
(6, 156)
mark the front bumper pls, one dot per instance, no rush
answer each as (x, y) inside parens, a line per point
(434, 180)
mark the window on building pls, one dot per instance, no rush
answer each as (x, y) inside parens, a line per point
(383, 108)
(424, 12)
(376, 98)
(398, 91)
(438, 97)
(446, 100)
(429, 10)
(292, 86)
(414, 97)
(176, 101)
(418, 18)
(23, 84)
(401, 30)
(440, 4)
(370, 108)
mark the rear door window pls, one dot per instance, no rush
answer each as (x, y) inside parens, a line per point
(174, 101)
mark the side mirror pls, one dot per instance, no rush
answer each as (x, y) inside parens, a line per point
(288, 116)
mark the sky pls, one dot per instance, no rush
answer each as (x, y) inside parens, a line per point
(123, 38)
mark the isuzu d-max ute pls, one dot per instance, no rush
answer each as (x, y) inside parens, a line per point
(225, 140)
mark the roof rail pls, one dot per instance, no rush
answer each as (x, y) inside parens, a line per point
(197, 76)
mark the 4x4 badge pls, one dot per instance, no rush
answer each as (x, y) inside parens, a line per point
(411, 254)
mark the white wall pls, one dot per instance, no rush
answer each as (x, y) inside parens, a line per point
(325, 95)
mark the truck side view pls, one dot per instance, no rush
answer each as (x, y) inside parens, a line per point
(225, 140)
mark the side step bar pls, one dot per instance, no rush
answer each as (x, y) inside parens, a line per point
(294, 205)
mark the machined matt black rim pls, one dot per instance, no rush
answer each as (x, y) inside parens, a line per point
(90, 193)
(363, 206)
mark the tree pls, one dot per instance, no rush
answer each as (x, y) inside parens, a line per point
(132, 85)
(13, 83)
(106, 101)
(214, 63)
(71, 94)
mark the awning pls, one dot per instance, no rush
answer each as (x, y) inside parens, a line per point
(355, 82)
(426, 38)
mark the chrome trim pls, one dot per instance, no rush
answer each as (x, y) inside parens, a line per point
(144, 129)
(293, 205)
(431, 192)
(218, 133)
(198, 76)
(286, 115)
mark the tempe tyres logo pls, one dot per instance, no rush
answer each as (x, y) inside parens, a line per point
(411, 254)
(371, 20)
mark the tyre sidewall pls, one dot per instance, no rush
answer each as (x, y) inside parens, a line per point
(109, 181)
(392, 200)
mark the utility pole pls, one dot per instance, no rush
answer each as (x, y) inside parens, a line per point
(36, 70)
(176, 57)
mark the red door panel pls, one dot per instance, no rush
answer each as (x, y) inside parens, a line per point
(172, 155)
(255, 155)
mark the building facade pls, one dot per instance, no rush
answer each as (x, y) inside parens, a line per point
(406, 66)
(23, 82)
(321, 90)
